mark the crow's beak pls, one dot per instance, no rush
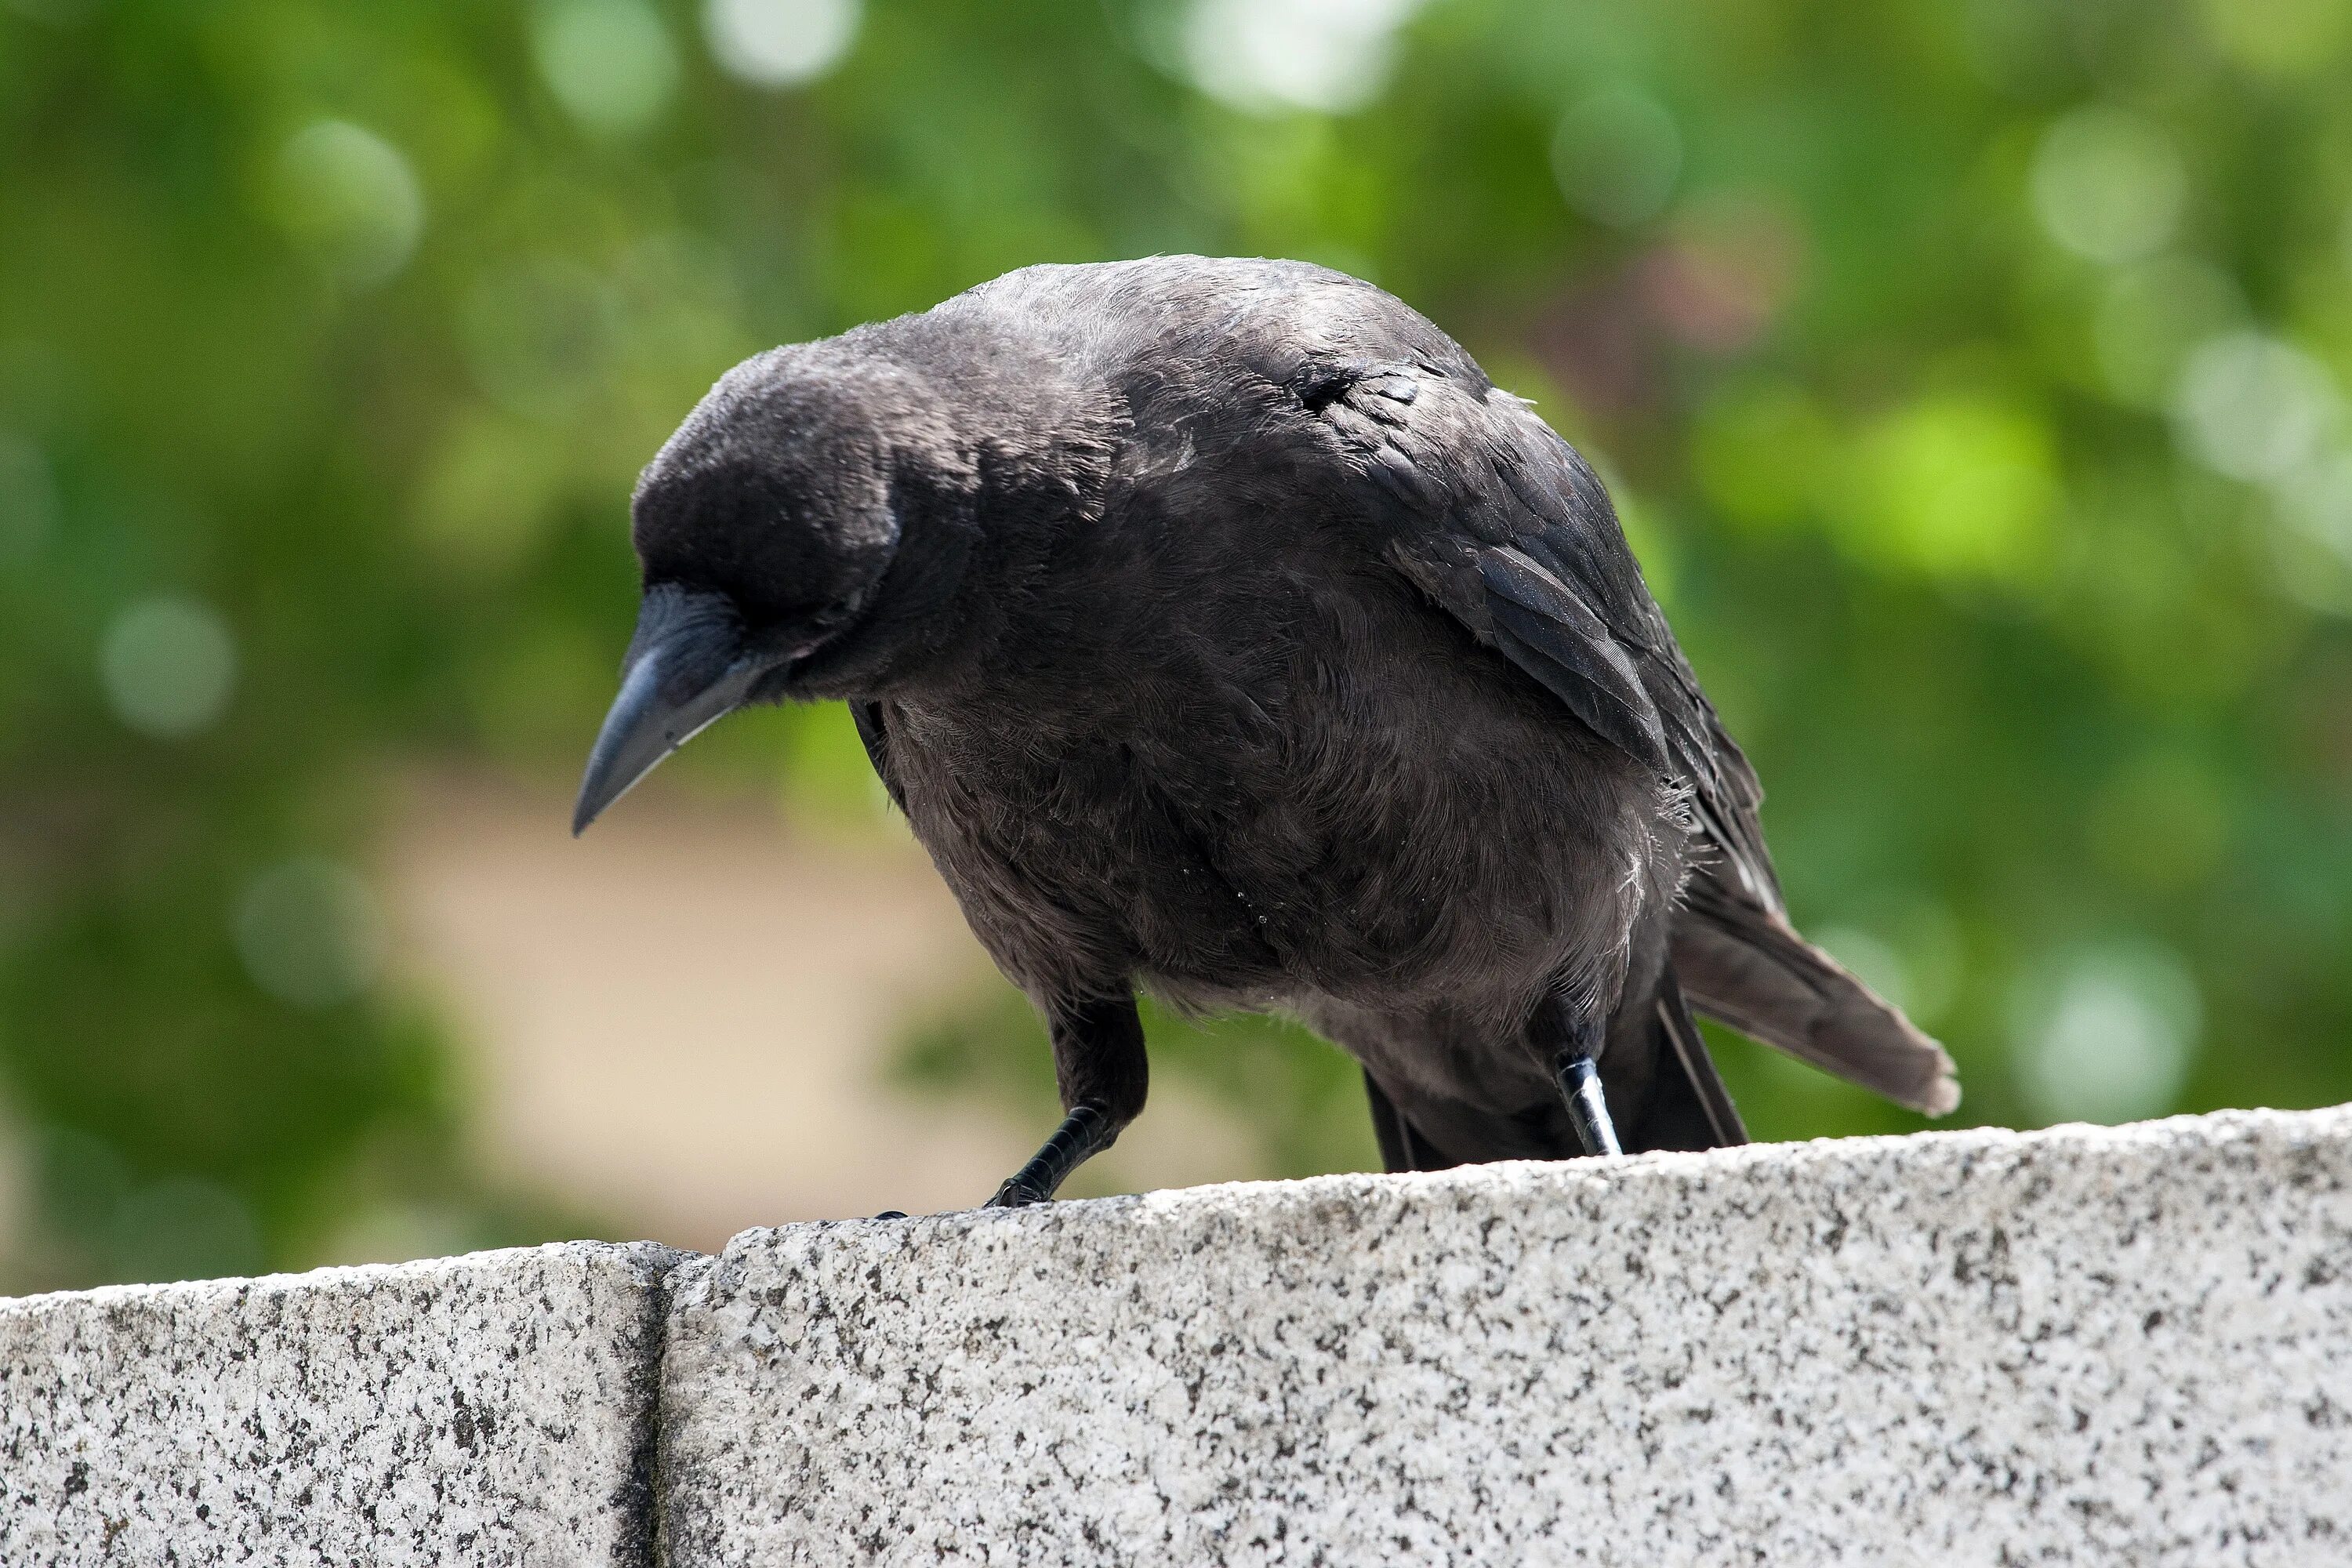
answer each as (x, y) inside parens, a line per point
(686, 667)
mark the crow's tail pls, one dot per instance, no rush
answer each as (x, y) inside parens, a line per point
(1403, 1146)
(1747, 966)
(1690, 1108)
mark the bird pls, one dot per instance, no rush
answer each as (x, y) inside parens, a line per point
(1222, 631)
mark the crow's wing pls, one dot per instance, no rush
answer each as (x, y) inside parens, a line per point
(1506, 528)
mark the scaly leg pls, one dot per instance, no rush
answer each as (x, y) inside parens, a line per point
(1099, 1063)
(1574, 1041)
(1580, 1084)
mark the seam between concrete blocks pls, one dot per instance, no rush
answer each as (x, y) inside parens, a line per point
(642, 1493)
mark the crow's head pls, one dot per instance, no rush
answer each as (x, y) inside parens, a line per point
(798, 536)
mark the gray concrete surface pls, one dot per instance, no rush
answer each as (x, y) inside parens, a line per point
(486, 1410)
(2127, 1346)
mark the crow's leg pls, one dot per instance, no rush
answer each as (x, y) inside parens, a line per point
(1580, 1082)
(1085, 1133)
(1571, 1036)
(1099, 1064)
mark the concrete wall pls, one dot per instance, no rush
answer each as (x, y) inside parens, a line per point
(2130, 1346)
(494, 1408)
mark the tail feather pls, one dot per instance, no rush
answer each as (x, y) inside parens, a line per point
(1687, 1048)
(1403, 1146)
(1747, 966)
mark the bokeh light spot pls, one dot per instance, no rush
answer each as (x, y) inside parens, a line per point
(2107, 1036)
(349, 199)
(1954, 485)
(2254, 407)
(2317, 502)
(2311, 539)
(2108, 185)
(169, 665)
(609, 62)
(1332, 56)
(311, 932)
(779, 43)
(1616, 156)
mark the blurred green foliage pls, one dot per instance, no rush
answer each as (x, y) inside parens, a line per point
(1971, 372)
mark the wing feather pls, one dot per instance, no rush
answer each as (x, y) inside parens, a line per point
(1506, 528)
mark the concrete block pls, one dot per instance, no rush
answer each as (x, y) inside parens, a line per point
(489, 1409)
(2084, 1345)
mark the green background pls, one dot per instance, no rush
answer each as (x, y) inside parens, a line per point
(1969, 372)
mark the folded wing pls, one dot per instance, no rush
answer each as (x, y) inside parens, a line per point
(1506, 528)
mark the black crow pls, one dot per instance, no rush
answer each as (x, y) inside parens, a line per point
(1222, 629)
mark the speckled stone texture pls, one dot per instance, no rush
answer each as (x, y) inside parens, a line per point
(490, 1409)
(2130, 1346)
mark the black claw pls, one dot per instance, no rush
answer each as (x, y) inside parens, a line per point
(1014, 1195)
(1085, 1131)
(891, 1214)
(1580, 1082)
